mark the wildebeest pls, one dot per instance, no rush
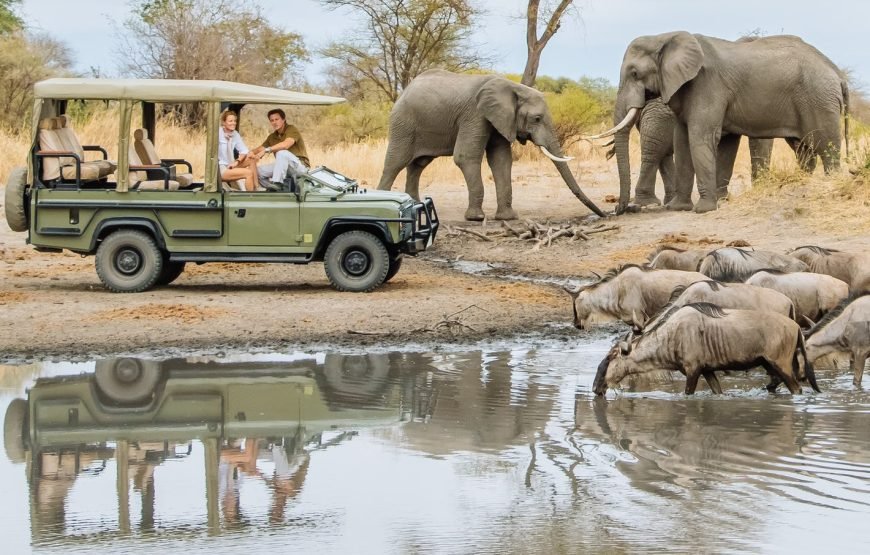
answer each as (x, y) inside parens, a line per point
(729, 295)
(630, 293)
(735, 264)
(854, 269)
(813, 294)
(672, 258)
(844, 329)
(700, 338)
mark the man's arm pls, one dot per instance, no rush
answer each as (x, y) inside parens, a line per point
(261, 150)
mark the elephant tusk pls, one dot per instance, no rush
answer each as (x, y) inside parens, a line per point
(628, 120)
(555, 158)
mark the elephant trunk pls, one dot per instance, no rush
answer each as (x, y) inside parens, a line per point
(566, 174)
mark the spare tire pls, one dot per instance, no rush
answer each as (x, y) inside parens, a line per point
(14, 429)
(127, 381)
(16, 209)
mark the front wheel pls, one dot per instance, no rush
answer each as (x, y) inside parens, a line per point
(356, 261)
(128, 261)
(395, 266)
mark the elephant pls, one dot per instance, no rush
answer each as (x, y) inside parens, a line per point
(656, 128)
(442, 114)
(777, 86)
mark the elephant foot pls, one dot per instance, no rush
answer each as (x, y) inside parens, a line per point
(706, 205)
(474, 214)
(646, 200)
(505, 214)
(680, 205)
(722, 194)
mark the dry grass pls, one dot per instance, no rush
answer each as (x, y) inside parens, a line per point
(831, 202)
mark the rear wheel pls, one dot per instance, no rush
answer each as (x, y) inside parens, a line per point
(170, 272)
(128, 261)
(395, 266)
(16, 208)
(127, 381)
(356, 261)
(14, 425)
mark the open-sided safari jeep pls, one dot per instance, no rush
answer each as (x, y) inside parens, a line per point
(144, 221)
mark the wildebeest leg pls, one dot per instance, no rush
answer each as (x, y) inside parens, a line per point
(784, 375)
(858, 362)
(774, 383)
(691, 380)
(713, 382)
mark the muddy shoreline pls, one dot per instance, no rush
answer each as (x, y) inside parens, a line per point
(52, 306)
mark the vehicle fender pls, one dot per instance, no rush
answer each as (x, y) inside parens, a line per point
(144, 224)
(337, 226)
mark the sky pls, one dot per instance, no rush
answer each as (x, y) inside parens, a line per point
(591, 44)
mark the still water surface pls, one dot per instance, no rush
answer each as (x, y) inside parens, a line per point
(484, 451)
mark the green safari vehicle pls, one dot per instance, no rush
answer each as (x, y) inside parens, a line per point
(145, 219)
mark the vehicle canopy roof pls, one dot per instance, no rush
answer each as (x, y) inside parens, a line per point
(173, 90)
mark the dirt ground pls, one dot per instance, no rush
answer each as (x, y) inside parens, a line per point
(53, 305)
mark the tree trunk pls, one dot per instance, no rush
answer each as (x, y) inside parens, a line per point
(536, 45)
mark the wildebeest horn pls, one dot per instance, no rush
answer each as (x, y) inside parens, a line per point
(807, 320)
(573, 291)
(638, 323)
(597, 276)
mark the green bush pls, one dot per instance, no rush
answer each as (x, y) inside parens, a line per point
(353, 122)
(576, 110)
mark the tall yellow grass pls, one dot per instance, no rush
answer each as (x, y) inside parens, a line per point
(841, 199)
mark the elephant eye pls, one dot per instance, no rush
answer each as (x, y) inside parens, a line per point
(537, 119)
(634, 74)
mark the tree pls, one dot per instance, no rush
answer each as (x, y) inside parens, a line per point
(399, 39)
(553, 16)
(9, 20)
(209, 39)
(24, 60)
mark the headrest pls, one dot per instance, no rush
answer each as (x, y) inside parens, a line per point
(48, 124)
(62, 121)
(140, 134)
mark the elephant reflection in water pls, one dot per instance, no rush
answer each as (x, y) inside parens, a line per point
(478, 403)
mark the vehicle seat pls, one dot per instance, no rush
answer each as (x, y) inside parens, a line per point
(50, 141)
(148, 154)
(138, 176)
(71, 142)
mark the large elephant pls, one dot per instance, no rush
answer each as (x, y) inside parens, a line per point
(448, 114)
(656, 128)
(776, 86)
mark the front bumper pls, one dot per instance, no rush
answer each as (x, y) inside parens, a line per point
(424, 227)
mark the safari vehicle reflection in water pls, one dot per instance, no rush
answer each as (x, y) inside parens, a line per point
(143, 413)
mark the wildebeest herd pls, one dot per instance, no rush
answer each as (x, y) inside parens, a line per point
(733, 308)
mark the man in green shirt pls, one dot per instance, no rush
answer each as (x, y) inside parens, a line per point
(286, 143)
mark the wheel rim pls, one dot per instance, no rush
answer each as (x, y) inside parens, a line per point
(356, 262)
(128, 261)
(127, 371)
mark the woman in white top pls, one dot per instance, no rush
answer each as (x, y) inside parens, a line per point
(229, 140)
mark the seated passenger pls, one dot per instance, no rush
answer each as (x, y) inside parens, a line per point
(286, 143)
(229, 142)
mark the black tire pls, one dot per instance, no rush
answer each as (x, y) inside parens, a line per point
(128, 261)
(356, 261)
(127, 381)
(359, 376)
(395, 266)
(16, 208)
(171, 271)
(14, 425)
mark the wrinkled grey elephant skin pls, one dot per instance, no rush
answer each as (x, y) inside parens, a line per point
(466, 116)
(770, 87)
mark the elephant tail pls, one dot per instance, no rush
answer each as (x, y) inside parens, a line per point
(844, 85)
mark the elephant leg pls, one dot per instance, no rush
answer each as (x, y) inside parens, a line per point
(412, 180)
(704, 146)
(728, 145)
(669, 175)
(498, 156)
(397, 158)
(685, 169)
(805, 157)
(645, 192)
(468, 155)
(858, 362)
(829, 150)
(713, 382)
(760, 151)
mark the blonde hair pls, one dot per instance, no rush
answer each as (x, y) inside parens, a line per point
(227, 113)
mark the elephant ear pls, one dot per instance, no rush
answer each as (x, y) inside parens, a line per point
(497, 101)
(680, 60)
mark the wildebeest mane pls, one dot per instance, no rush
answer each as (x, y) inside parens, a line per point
(816, 249)
(707, 309)
(836, 311)
(769, 271)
